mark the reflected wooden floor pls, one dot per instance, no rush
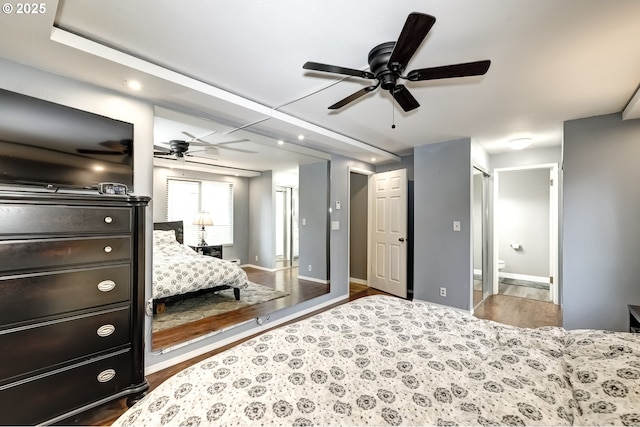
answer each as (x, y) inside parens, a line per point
(521, 312)
(282, 280)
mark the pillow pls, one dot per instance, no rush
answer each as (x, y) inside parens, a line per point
(164, 238)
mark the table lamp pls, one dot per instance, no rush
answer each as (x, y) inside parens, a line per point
(202, 220)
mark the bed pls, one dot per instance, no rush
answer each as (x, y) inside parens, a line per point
(179, 271)
(381, 360)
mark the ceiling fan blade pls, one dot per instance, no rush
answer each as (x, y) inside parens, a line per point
(214, 143)
(476, 68)
(353, 97)
(404, 98)
(338, 70)
(240, 150)
(414, 31)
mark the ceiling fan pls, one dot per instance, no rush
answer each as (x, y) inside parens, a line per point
(387, 62)
(181, 147)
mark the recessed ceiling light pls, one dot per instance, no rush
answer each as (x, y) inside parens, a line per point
(280, 142)
(300, 137)
(132, 84)
(519, 143)
(373, 159)
(98, 168)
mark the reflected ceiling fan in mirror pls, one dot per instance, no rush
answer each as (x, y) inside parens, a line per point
(387, 62)
(181, 148)
(114, 148)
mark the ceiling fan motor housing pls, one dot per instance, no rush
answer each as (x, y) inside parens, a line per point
(379, 65)
(178, 147)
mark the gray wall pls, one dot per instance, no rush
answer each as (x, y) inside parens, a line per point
(240, 248)
(601, 242)
(442, 195)
(262, 241)
(358, 221)
(523, 217)
(314, 235)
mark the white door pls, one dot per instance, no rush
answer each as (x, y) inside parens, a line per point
(388, 230)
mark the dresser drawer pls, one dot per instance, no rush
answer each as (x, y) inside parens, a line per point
(45, 219)
(33, 296)
(43, 398)
(46, 344)
(41, 253)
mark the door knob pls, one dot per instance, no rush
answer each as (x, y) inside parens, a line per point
(401, 239)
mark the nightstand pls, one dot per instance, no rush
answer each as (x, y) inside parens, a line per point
(209, 250)
(634, 318)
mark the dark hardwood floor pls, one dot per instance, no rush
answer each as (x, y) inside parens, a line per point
(282, 280)
(504, 309)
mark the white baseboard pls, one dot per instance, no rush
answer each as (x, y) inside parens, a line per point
(314, 279)
(515, 276)
(358, 281)
(259, 267)
(148, 370)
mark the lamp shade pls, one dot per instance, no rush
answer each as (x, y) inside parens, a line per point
(203, 219)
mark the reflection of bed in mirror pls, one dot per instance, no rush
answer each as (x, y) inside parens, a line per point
(280, 242)
(180, 272)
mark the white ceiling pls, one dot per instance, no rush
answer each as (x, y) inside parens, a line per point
(240, 63)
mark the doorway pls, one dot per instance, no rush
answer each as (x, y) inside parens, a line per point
(480, 215)
(526, 232)
(385, 239)
(286, 228)
(358, 233)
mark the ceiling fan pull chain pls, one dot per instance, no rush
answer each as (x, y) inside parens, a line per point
(393, 111)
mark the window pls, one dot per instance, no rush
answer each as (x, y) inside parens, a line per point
(186, 198)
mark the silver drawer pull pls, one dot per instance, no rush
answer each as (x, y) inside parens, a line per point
(108, 249)
(106, 285)
(108, 219)
(106, 375)
(105, 330)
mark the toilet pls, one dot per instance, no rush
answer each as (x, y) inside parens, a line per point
(501, 264)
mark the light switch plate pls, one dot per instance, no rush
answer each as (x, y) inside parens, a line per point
(456, 225)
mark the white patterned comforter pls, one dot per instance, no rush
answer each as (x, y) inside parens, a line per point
(178, 269)
(385, 361)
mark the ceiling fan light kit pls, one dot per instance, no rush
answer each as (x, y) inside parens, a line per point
(387, 62)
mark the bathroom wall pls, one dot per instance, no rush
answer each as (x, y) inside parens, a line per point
(522, 215)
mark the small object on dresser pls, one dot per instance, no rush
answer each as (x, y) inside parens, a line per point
(634, 318)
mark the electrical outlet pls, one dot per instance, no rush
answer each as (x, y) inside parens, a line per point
(256, 257)
(310, 267)
(443, 292)
(149, 308)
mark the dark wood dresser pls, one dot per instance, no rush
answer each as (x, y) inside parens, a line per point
(72, 274)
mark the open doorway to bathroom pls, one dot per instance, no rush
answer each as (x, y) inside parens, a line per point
(480, 216)
(526, 232)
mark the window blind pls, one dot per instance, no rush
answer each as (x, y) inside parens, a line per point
(186, 198)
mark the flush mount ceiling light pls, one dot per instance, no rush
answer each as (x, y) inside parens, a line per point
(519, 143)
(132, 84)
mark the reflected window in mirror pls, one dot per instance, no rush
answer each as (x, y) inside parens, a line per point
(187, 199)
